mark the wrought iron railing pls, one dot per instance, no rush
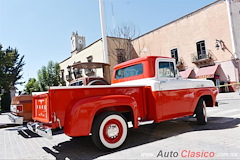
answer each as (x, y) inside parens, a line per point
(180, 62)
(202, 55)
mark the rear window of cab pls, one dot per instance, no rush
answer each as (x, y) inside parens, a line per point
(129, 71)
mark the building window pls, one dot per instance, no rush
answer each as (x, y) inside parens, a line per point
(201, 50)
(174, 54)
(62, 75)
(121, 55)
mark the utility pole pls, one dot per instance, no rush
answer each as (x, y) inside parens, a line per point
(233, 39)
(103, 28)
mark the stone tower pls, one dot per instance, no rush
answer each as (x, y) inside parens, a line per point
(78, 43)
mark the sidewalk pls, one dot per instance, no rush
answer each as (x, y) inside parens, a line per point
(4, 120)
(229, 95)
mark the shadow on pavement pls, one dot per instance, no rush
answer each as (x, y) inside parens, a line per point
(5, 125)
(25, 133)
(29, 134)
(83, 147)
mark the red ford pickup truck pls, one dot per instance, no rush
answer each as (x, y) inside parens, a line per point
(143, 89)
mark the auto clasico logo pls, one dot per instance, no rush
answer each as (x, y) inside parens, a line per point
(186, 154)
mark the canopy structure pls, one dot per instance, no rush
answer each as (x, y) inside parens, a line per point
(207, 72)
(185, 74)
(89, 65)
(94, 65)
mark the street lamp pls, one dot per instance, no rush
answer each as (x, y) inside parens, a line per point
(69, 76)
(69, 69)
(219, 43)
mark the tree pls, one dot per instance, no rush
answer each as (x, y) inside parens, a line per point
(11, 67)
(49, 76)
(32, 86)
(122, 40)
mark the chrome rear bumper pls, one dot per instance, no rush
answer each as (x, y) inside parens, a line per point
(40, 129)
(15, 119)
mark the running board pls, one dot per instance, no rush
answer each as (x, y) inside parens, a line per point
(140, 123)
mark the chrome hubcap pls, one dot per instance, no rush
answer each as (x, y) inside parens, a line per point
(113, 131)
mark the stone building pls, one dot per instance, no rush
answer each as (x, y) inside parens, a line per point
(205, 43)
(119, 50)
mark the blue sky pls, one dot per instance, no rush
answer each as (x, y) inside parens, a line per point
(41, 30)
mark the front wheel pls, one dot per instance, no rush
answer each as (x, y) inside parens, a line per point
(109, 130)
(201, 112)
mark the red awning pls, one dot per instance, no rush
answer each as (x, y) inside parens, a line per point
(186, 73)
(207, 72)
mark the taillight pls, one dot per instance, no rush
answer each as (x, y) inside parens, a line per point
(19, 108)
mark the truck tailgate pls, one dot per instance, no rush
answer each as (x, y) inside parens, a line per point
(41, 108)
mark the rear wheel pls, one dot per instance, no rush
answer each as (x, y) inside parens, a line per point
(109, 130)
(201, 112)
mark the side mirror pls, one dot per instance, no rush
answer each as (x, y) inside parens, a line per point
(176, 72)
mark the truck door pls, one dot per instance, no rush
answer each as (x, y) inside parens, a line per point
(175, 99)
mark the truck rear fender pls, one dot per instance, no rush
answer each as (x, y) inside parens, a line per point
(126, 111)
(79, 117)
(209, 100)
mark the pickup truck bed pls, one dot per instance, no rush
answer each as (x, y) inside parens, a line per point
(83, 103)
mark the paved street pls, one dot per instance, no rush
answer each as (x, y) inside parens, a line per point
(175, 139)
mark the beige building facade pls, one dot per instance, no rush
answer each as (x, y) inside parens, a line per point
(118, 51)
(205, 43)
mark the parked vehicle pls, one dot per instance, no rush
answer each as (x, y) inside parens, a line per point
(88, 81)
(90, 70)
(21, 109)
(144, 89)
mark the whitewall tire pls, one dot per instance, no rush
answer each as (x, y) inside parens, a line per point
(201, 112)
(109, 130)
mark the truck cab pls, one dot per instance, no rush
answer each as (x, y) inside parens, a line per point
(161, 74)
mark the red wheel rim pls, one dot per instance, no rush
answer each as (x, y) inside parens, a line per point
(112, 131)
